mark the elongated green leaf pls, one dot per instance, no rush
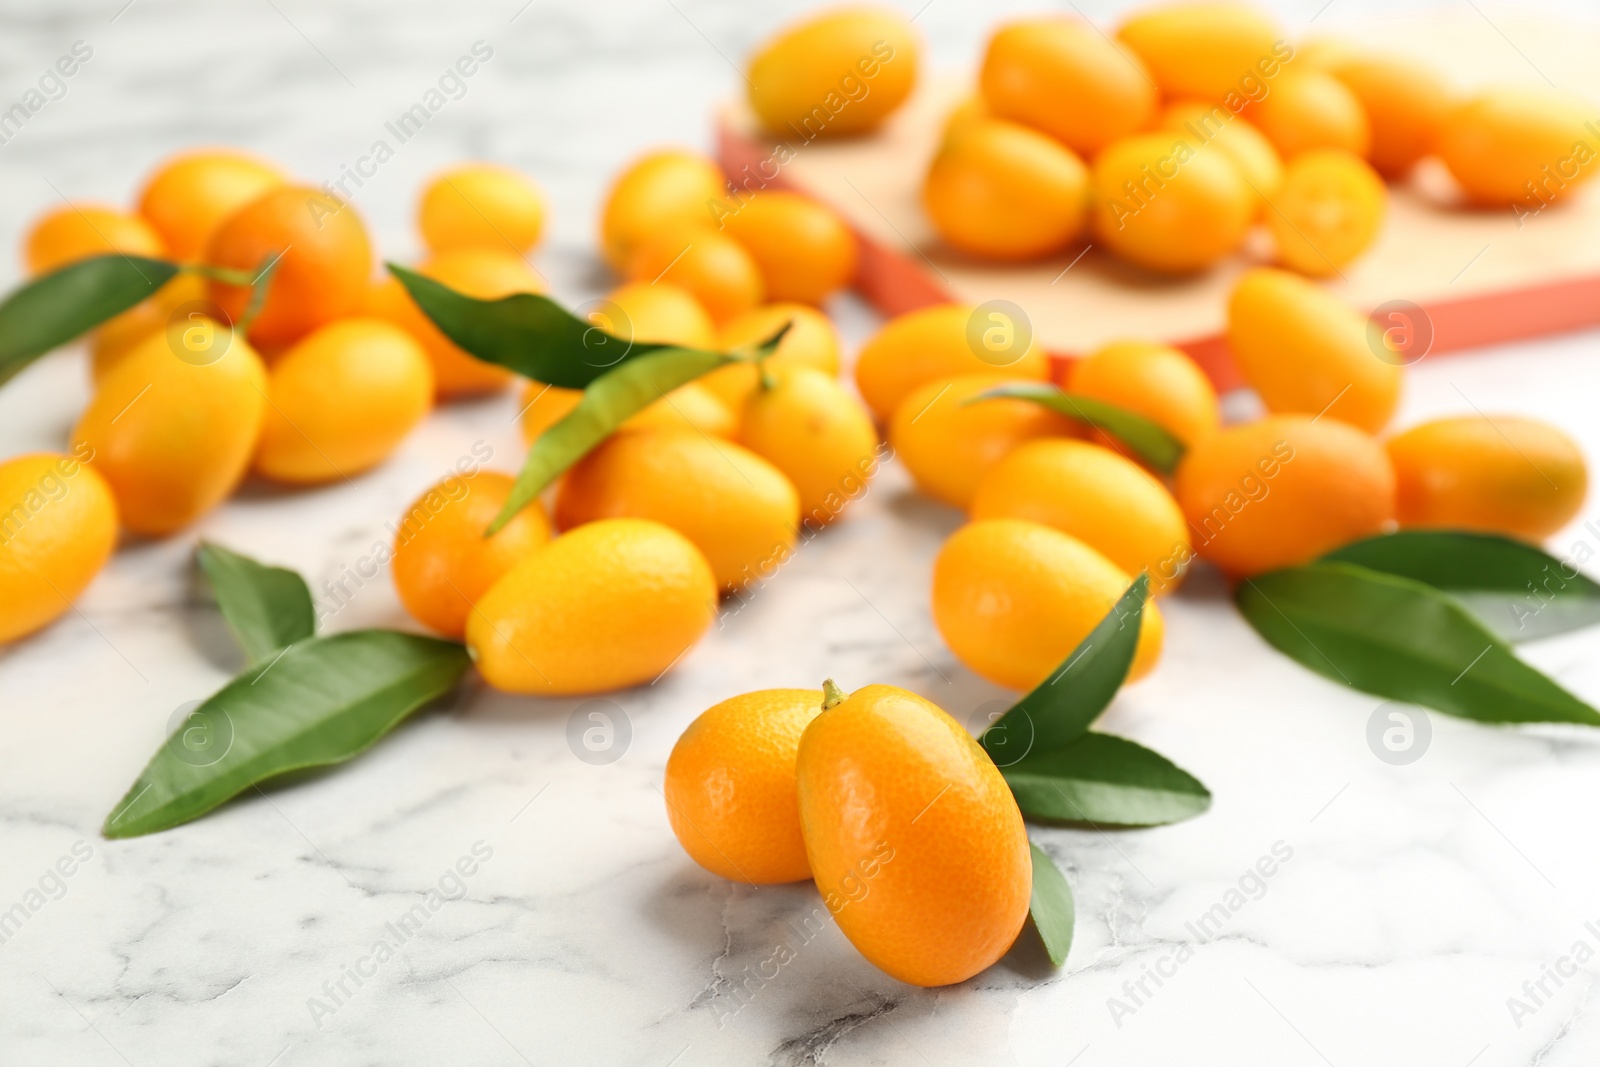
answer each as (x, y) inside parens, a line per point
(1517, 590)
(53, 309)
(1050, 906)
(1148, 440)
(1400, 639)
(1060, 708)
(531, 334)
(1107, 781)
(267, 608)
(322, 701)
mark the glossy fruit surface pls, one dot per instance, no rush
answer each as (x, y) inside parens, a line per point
(1207, 51)
(811, 341)
(173, 426)
(192, 193)
(341, 401)
(1518, 146)
(1013, 599)
(1309, 108)
(808, 426)
(1168, 205)
(1109, 503)
(709, 265)
(1156, 381)
(1065, 78)
(805, 251)
(60, 524)
(323, 261)
(78, 231)
(640, 312)
(443, 563)
(944, 341)
(730, 786)
(661, 190)
(608, 605)
(1306, 351)
(839, 73)
(1502, 473)
(1405, 103)
(948, 445)
(1246, 146)
(481, 205)
(1002, 191)
(733, 505)
(485, 273)
(1283, 491)
(1328, 211)
(913, 837)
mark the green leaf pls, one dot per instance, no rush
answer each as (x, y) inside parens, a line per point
(531, 334)
(1517, 590)
(53, 309)
(1147, 439)
(1050, 906)
(321, 701)
(1107, 781)
(1403, 640)
(268, 608)
(1060, 708)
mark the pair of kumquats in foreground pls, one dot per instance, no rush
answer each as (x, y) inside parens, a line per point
(1169, 138)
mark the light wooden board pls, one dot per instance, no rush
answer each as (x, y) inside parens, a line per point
(1480, 277)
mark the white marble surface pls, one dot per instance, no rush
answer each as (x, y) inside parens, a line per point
(1417, 899)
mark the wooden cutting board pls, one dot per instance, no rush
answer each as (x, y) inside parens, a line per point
(1477, 277)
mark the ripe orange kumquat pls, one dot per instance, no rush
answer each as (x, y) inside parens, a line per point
(1328, 211)
(656, 314)
(1013, 598)
(944, 341)
(839, 73)
(1221, 52)
(78, 231)
(323, 261)
(611, 604)
(948, 445)
(1522, 147)
(1215, 126)
(60, 525)
(1500, 473)
(806, 424)
(731, 791)
(191, 194)
(1064, 77)
(1163, 203)
(811, 341)
(342, 400)
(688, 407)
(1283, 491)
(804, 250)
(662, 190)
(1309, 108)
(443, 563)
(1002, 191)
(1153, 380)
(711, 266)
(1405, 103)
(1304, 350)
(118, 336)
(481, 205)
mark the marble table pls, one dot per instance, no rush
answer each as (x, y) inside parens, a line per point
(529, 899)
